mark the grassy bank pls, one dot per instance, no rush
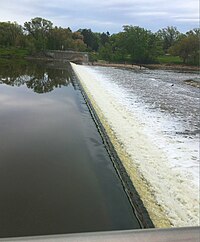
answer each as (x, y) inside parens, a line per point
(13, 53)
(168, 59)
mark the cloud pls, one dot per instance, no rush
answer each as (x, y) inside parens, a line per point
(103, 15)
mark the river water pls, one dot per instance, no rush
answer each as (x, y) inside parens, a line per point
(55, 173)
(167, 105)
(153, 117)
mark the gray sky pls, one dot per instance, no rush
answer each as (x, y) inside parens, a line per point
(105, 15)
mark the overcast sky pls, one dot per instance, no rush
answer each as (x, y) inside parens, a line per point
(105, 15)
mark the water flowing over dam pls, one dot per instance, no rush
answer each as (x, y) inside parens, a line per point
(151, 117)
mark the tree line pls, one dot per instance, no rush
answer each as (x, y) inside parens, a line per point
(133, 45)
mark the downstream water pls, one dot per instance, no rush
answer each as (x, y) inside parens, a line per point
(55, 173)
(167, 105)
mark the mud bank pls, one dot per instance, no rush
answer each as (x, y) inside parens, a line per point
(164, 192)
(150, 66)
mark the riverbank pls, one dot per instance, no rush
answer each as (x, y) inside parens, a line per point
(149, 66)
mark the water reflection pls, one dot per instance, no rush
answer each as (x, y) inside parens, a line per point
(40, 77)
(56, 176)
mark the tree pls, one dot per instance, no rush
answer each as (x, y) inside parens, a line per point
(104, 38)
(141, 44)
(187, 47)
(168, 36)
(90, 39)
(39, 28)
(78, 43)
(106, 52)
(65, 39)
(11, 34)
(113, 50)
(60, 39)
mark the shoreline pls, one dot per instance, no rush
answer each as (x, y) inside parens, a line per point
(149, 66)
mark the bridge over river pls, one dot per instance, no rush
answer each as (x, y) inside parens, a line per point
(75, 56)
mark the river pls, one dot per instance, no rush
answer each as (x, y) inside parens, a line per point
(55, 173)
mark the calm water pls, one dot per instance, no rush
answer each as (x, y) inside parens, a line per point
(55, 174)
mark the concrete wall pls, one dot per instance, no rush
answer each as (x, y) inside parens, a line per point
(74, 56)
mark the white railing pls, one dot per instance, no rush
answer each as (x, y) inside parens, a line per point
(189, 234)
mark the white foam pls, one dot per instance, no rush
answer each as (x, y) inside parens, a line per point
(169, 164)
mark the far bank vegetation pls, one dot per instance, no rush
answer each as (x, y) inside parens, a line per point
(132, 45)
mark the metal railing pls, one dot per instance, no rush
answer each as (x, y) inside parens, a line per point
(188, 234)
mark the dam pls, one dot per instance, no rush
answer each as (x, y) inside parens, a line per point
(155, 133)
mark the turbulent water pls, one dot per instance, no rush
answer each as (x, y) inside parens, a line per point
(168, 108)
(154, 115)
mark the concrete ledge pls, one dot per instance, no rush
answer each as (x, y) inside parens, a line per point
(75, 56)
(188, 234)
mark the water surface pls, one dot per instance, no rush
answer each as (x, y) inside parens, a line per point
(55, 173)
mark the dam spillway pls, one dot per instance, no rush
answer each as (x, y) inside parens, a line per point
(158, 149)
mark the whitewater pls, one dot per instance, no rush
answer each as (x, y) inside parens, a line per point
(151, 117)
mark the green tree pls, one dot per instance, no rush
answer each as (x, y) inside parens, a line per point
(187, 47)
(104, 38)
(59, 39)
(106, 52)
(168, 36)
(141, 44)
(113, 50)
(65, 39)
(78, 43)
(90, 39)
(11, 34)
(39, 28)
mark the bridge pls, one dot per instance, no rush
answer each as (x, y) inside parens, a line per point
(73, 56)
